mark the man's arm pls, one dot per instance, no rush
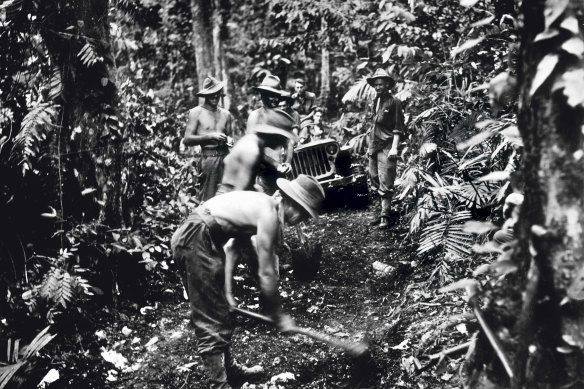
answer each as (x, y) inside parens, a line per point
(289, 152)
(399, 127)
(267, 231)
(231, 257)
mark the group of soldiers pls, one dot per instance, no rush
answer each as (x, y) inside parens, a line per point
(245, 203)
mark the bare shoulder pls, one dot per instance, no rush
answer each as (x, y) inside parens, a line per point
(224, 112)
(242, 207)
(194, 112)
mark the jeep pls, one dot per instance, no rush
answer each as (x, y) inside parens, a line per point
(342, 180)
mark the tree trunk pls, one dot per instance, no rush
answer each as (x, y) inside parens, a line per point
(202, 11)
(220, 16)
(89, 95)
(546, 319)
(209, 31)
(325, 71)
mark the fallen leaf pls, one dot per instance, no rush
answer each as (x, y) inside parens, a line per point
(151, 342)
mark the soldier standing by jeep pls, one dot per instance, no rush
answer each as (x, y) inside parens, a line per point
(384, 136)
(208, 126)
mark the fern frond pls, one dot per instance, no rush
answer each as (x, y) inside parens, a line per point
(88, 55)
(34, 128)
(55, 84)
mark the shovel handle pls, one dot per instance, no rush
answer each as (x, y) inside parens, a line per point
(355, 349)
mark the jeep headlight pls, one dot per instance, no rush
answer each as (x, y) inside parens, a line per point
(332, 148)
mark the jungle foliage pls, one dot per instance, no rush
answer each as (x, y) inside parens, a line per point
(94, 178)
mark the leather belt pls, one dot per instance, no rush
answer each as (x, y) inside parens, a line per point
(214, 152)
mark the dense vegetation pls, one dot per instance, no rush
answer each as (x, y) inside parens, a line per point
(93, 106)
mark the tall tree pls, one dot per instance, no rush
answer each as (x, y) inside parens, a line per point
(78, 41)
(209, 32)
(325, 68)
(545, 340)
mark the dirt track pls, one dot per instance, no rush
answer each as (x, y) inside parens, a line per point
(347, 299)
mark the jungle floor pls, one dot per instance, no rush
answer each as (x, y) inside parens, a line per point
(399, 312)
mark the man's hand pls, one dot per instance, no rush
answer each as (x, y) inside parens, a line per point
(285, 323)
(218, 136)
(392, 154)
(284, 168)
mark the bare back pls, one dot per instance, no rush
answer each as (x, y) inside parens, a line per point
(240, 212)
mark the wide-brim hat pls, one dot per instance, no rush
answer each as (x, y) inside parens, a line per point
(270, 84)
(380, 73)
(305, 190)
(211, 85)
(287, 96)
(274, 121)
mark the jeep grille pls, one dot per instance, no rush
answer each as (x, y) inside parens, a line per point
(312, 161)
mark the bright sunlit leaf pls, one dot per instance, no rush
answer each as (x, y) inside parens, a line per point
(574, 46)
(553, 10)
(544, 70)
(483, 22)
(494, 177)
(468, 3)
(570, 24)
(466, 45)
(573, 83)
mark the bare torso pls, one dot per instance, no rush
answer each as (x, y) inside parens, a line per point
(204, 121)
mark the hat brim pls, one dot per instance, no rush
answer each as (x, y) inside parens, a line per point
(269, 89)
(212, 90)
(287, 188)
(267, 129)
(370, 80)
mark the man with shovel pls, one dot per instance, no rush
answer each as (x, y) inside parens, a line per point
(198, 251)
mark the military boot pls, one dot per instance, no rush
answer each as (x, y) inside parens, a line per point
(238, 373)
(215, 367)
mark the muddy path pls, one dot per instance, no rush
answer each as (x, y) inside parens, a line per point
(151, 345)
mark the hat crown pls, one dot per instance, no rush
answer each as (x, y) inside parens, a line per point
(380, 73)
(277, 118)
(210, 82)
(271, 81)
(211, 85)
(308, 190)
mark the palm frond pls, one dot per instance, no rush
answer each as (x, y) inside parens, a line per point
(447, 232)
(40, 341)
(361, 91)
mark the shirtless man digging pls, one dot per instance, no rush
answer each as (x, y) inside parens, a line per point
(198, 251)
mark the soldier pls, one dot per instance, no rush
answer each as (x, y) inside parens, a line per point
(388, 125)
(277, 156)
(206, 272)
(251, 156)
(209, 126)
(304, 101)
